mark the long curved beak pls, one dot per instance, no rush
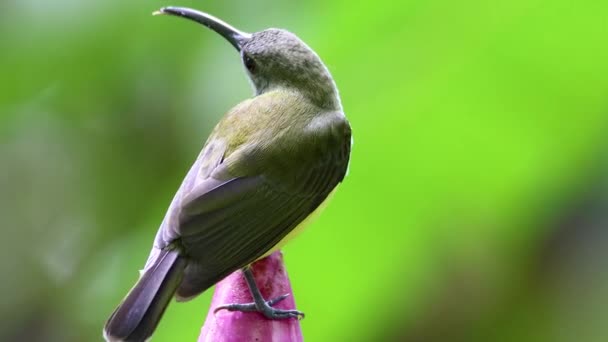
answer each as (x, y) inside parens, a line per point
(235, 37)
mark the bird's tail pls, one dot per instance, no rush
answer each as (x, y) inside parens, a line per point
(139, 313)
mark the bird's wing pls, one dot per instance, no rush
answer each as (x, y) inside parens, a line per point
(224, 225)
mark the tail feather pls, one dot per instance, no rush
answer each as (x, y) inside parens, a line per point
(136, 318)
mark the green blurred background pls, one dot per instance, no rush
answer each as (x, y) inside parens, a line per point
(476, 208)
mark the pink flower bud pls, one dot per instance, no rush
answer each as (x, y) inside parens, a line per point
(227, 326)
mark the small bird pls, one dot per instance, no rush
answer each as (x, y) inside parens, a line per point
(268, 166)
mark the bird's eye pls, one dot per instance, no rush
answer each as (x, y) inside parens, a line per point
(249, 63)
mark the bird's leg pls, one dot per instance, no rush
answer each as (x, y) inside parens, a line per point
(259, 304)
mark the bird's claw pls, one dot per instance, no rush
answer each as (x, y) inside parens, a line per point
(266, 309)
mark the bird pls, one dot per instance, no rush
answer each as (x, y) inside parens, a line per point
(268, 167)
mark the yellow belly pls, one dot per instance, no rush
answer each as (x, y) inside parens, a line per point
(300, 227)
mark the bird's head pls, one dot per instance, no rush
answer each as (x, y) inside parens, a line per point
(273, 59)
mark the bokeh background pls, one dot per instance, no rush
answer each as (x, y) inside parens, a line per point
(476, 208)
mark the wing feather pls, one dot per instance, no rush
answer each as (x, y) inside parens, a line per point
(223, 225)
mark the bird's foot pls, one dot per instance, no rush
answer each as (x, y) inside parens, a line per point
(265, 308)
